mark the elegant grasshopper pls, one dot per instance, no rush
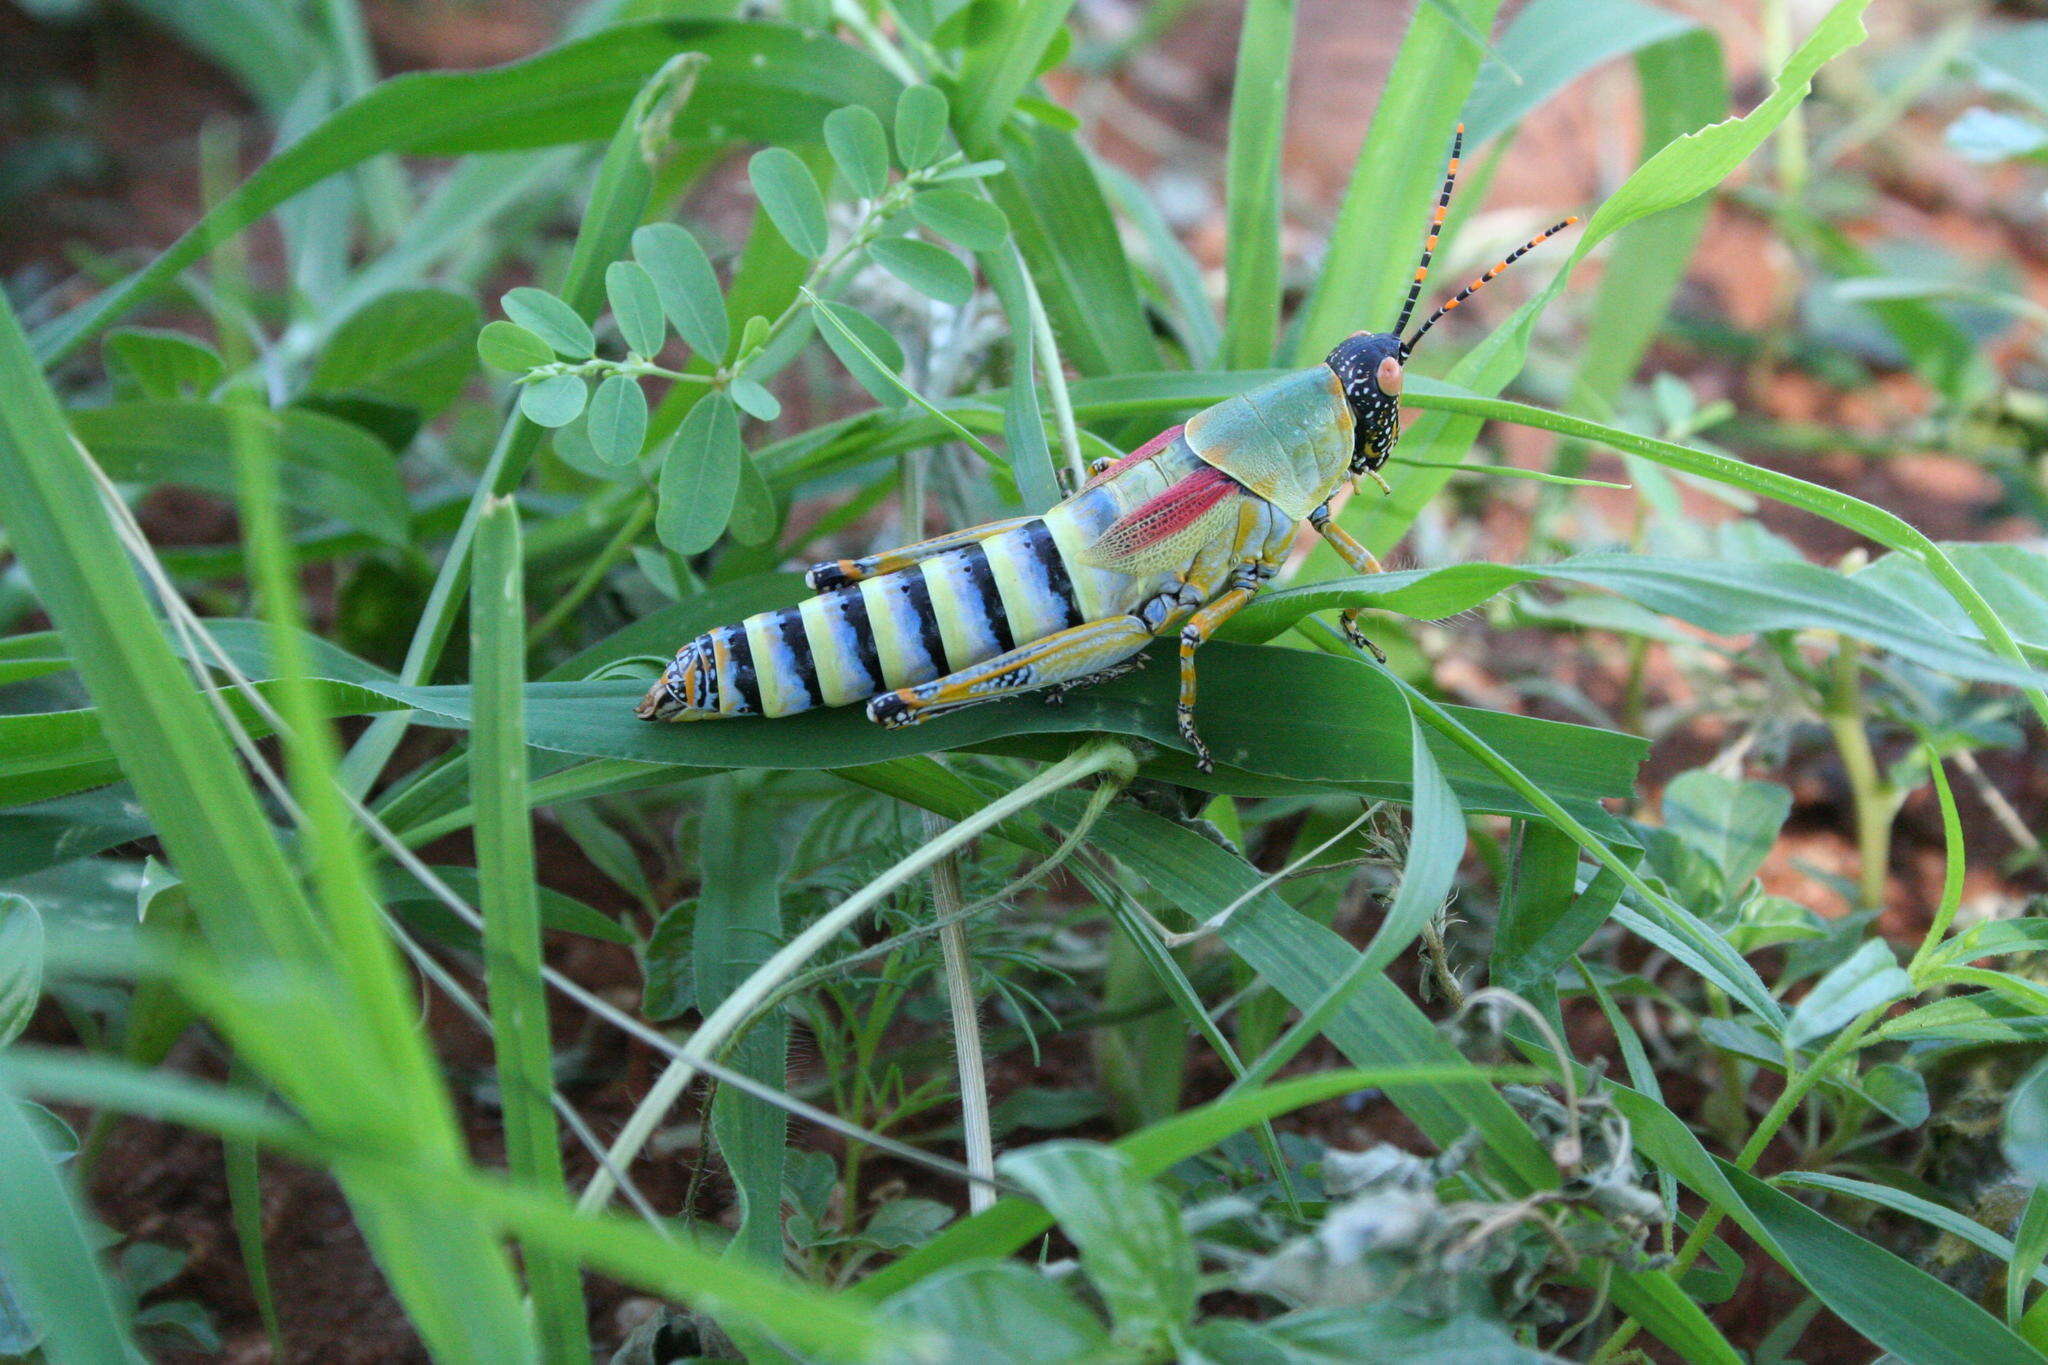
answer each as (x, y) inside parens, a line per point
(1180, 533)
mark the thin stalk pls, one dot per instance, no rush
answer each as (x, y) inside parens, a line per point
(1789, 143)
(966, 1015)
(615, 550)
(1874, 799)
(385, 196)
(1056, 384)
(719, 1027)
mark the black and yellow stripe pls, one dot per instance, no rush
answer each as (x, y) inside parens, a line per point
(928, 619)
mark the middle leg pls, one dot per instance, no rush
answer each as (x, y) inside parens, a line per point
(1204, 623)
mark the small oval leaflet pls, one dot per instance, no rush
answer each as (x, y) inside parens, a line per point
(700, 476)
(508, 346)
(554, 401)
(860, 148)
(754, 400)
(572, 444)
(880, 383)
(618, 420)
(688, 288)
(552, 320)
(961, 217)
(636, 307)
(930, 270)
(754, 520)
(790, 198)
(920, 126)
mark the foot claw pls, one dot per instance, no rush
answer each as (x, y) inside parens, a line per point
(1187, 732)
(1357, 637)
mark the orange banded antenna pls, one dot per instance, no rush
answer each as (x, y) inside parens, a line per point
(1469, 290)
(1436, 226)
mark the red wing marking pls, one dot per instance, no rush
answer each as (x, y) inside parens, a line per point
(1142, 453)
(1164, 515)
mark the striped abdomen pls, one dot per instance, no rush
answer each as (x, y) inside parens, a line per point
(935, 617)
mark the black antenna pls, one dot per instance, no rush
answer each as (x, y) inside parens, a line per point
(1436, 225)
(1469, 290)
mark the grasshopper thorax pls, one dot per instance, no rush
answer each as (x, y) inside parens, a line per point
(1368, 366)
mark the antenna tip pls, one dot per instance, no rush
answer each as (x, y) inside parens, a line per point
(1573, 219)
(1461, 127)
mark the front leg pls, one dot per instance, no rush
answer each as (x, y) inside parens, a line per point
(1358, 557)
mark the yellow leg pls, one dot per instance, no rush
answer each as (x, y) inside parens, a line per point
(1193, 635)
(1358, 557)
(1067, 656)
(838, 573)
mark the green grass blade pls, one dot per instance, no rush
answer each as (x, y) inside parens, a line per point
(1897, 1305)
(1400, 167)
(1000, 65)
(1063, 225)
(248, 898)
(2030, 1245)
(739, 923)
(828, 1326)
(1551, 43)
(245, 1206)
(1683, 90)
(1436, 843)
(1841, 508)
(512, 945)
(1678, 173)
(1030, 462)
(1258, 128)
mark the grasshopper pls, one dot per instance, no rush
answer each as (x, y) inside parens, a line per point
(1177, 535)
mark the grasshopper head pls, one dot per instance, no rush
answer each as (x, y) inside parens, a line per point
(1368, 365)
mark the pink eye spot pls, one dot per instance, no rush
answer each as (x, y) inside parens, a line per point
(1389, 375)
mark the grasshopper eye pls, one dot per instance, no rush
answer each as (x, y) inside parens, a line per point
(1389, 376)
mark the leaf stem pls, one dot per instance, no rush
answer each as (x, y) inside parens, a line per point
(594, 572)
(1874, 800)
(966, 1016)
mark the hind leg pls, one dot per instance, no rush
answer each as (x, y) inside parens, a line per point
(1070, 656)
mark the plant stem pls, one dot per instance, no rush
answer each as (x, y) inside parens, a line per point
(385, 195)
(593, 573)
(1789, 144)
(966, 1015)
(1875, 800)
(1056, 383)
(719, 1027)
